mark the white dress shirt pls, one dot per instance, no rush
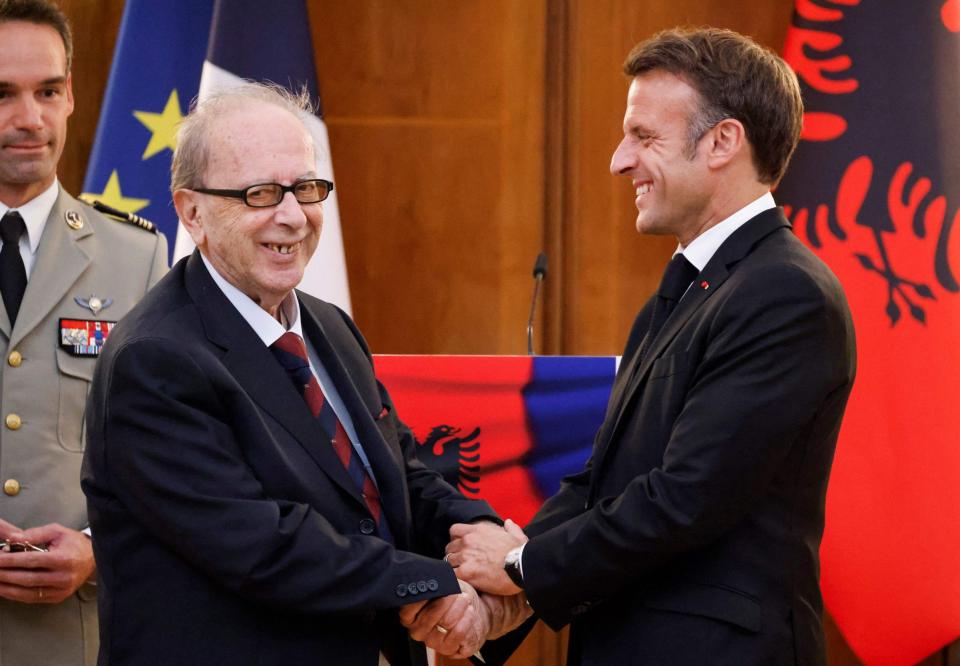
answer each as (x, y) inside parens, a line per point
(269, 331)
(702, 248)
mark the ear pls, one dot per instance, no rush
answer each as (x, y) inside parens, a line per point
(69, 93)
(728, 140)
(187, 203)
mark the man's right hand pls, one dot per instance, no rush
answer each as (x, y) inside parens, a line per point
(46, 577)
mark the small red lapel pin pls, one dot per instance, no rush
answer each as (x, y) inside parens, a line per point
(704, 285)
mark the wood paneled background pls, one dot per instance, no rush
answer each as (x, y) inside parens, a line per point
(467, 136)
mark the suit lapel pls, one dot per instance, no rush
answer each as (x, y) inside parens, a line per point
(714, 274)
(254, 367)
(386, 468)
(60, 262)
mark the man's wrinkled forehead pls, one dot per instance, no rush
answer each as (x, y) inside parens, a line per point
(254, 124)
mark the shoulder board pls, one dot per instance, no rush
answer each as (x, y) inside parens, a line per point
(122, 216)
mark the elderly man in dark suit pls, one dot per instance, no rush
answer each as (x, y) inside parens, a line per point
(692, 535)
(254, 497)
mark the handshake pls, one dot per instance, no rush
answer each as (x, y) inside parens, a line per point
(489, 604)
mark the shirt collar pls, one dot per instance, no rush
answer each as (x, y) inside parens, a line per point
(266, 327)
(35, 213)
(702, 248)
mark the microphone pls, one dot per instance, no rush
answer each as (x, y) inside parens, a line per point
(539, 275)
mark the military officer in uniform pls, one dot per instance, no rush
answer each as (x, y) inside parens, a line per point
(66, 274)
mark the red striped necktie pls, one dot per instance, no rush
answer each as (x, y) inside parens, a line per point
(292, 355)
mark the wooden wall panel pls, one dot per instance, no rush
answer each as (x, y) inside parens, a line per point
(95, 25)
(435, 118)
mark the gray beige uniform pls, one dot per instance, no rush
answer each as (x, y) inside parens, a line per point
(43, 389)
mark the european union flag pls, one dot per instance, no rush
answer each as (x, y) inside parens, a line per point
(156, 72)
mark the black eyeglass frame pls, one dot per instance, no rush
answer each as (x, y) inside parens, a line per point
(242, 194)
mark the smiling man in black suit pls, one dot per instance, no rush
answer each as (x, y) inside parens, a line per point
(692, 535)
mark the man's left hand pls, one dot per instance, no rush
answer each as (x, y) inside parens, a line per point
(476, 552)
(46, 577)
(455, 626)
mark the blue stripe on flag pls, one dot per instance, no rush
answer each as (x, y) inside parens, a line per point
(265, 44)
(565, 401)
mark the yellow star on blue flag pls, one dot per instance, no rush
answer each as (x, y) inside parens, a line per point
(163, 125)
(112, 196)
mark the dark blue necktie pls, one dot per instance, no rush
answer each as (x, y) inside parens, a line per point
(676, 279)
(291, 352)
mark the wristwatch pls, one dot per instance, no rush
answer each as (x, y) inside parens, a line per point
(511, 564)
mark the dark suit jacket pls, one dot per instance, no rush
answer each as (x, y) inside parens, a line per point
(225, 529)
(692, 535)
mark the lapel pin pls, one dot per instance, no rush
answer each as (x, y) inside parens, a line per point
(704, 285)
(74, 221)
(94, 303)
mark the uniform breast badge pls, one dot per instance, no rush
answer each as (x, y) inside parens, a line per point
(94, 303)
(84, 337)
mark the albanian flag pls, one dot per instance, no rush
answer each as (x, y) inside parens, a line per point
(502, 428)
(874, 190)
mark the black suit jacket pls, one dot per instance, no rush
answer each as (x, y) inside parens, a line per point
(692, 535)
(225, 529)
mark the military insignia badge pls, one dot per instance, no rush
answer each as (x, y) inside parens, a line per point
(94, 303)
(84, 337)
(74, 221)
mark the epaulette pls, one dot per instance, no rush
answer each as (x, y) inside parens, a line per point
(122, 216)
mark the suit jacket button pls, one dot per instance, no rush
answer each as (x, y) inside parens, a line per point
(11, 487)
(401, 590)
(13, 421)
(413, 589)
(422, 585)
(433, 585)
(15, 359)
(367, 526)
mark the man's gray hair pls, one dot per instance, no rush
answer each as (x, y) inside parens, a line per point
(192, 154)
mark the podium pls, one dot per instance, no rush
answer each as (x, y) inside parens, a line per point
(505, 429)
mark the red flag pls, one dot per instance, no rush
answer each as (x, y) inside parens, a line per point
(874, 189)
(469, 410)
(502, 428)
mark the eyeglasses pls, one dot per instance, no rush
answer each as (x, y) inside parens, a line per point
(264, 195)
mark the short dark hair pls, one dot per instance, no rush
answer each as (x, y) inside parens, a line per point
(41, 12)
(735, 78)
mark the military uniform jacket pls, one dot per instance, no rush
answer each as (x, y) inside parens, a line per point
(44, 387)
